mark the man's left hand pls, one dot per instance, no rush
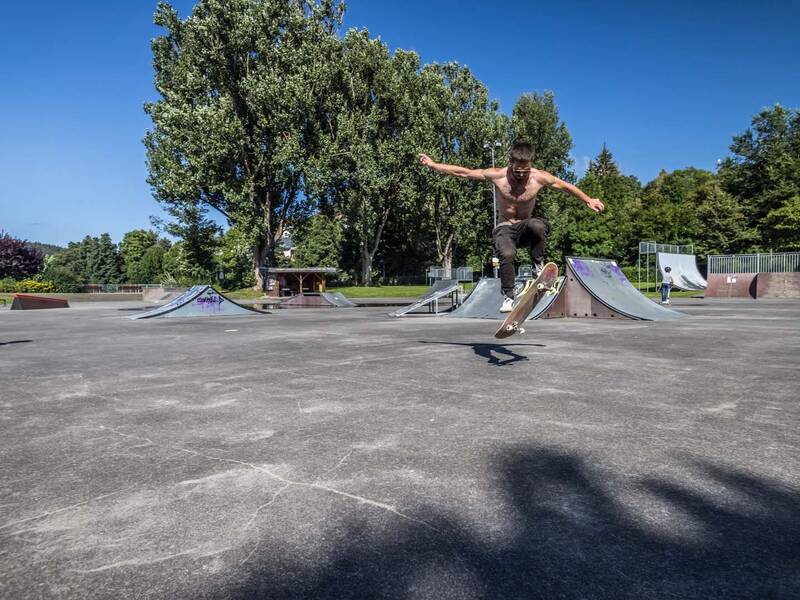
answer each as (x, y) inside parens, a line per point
(596, 205)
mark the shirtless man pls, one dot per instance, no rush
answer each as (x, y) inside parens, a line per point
(517, 186)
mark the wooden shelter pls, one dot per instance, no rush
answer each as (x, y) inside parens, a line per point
(290, 281)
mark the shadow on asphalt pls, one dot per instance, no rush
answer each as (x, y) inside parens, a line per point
(492, 352)
(15, 342)
(732, 535)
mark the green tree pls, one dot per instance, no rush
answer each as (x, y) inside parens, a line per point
(92, 260)
(535, 120)
(234, 256)
(608, 234)
(668, 213)
(783, 225)
(199, 235)
(132, 248)
(174, 266)
(369, 167)
(149, 268)
(319, 243)
(764, 174)
(458, 120)
(244, 96)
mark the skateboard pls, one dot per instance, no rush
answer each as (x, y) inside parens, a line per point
(534, 289)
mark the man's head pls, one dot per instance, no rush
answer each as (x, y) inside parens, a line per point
(668, 269)
(521, 159)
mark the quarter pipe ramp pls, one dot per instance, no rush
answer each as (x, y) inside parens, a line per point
(597, 288)
(198, 301)
(591, 288)
(685, 275)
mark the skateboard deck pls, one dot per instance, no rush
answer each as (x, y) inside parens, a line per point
(527, 299)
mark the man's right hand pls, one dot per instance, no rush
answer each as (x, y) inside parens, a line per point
(426, 160)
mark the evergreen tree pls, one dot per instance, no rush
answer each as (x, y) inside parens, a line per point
(610, 233)
(764, 175)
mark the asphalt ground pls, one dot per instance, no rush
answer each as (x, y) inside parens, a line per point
(342, 454)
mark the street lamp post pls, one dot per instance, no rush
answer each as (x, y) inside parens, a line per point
(492, 146)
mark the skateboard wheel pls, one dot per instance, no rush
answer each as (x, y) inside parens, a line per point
(540, 287)
(509, 328)
(520, 330)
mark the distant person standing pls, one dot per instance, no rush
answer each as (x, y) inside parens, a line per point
(666, 285)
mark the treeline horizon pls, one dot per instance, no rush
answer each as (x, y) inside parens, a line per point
(272, 117)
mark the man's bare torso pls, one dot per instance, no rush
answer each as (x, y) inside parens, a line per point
(515, 198)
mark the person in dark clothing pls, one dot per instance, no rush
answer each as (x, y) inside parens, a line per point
(517, 186)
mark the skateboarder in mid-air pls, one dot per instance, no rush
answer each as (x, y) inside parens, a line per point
(517, 186)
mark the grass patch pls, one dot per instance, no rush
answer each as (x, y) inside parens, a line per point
(8, 298)
(247, 293)
(388, 291)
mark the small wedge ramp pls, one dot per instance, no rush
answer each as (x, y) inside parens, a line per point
(485, 299)
(198, 301)
(440, 289)
(29, 302)
(597, 288)
(318, 300)
(339, 300)
(685, 275)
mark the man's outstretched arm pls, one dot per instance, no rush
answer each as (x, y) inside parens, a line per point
(554, 182)
(455, 170)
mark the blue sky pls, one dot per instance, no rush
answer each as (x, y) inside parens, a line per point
(664, 85)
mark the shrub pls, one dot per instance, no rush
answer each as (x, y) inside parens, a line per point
(32, 286)
(8, 285)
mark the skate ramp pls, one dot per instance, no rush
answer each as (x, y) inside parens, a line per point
(485, 299)
(30, 302)
(685, 275)
(605, 282)
(339, 300)
(161, 295)
(198, 301)
(440, 289)
(318, 300)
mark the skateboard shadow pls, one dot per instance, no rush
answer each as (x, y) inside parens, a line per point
(15, 342)
(493, 352)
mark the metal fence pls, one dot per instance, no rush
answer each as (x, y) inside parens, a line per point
(654, 248)
(459, 274)
(783, 262)
(118, 288)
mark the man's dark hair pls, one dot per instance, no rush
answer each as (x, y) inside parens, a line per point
(522, 151)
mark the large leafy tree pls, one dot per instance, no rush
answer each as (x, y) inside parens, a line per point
(459, 120)
(319, 242)
(17, 259)
(764, 176)
(667, 213)
(723, 227)
(244, 96)
(369, 167)
(535, 120)
(132, 248)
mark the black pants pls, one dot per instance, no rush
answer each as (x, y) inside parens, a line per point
(531, 234)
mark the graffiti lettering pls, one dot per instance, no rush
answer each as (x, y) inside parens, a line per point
(210, 300)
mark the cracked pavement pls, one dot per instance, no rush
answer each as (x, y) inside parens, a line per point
(344, 454)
